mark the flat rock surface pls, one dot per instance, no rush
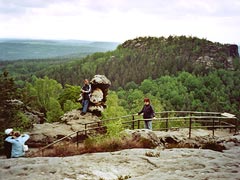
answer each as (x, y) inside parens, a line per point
(133, 164)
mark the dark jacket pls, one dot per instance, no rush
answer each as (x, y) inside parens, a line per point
(86, 95)
(147, 111)
(7, 147)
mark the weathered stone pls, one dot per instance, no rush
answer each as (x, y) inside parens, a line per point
(100, 79)
(43, 134)
(98, 97)
(134, 164)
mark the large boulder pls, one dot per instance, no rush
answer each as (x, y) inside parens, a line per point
(100, 85)
(140, 135)
(43, 134)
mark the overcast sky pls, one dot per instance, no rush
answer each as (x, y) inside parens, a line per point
(120, 20)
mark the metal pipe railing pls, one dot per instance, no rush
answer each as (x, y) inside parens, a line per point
(192, 117)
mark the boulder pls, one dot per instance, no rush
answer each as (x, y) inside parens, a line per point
(43, 134)
(144, 135)
(100, 85)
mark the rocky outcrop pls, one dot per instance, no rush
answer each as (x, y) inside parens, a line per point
(100, 85)
(180, 139)
(43, 134)
(71, 122)
(217, 55)
(233, 50)
(132, 164)
(189, 49)
(33, 116)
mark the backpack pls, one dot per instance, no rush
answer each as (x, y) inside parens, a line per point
(25, 148)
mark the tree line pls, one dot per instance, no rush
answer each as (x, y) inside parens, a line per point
(218, 91)
(134, 60)
(163, 69)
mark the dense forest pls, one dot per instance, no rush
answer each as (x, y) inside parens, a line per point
(176, 73)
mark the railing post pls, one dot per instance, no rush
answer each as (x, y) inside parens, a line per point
(133, 121)
(85, 130)
(77, 139)
(167, 122)
(138, 124)
(190, 127)
(236, 125)
(213, 126)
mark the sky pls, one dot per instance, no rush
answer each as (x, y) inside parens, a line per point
(120, 20)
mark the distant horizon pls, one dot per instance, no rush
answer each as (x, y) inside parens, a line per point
(16, 49)
(45, 39)
(84, 40)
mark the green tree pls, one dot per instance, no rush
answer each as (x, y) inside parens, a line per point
(8, 91)
(149, 86)
(134, 100)
(69, 93)
(43, 90)
(54, 110)
(42, 95)
(113, 108)
(70, 105)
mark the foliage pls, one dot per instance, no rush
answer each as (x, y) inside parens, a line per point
(8, 91)
(54, 110)
(70, 105)
(217, 91)
(163, 69)
(113, 108)
(114, 128)
(131, 63)
(68, 97)
(22, 122)
(110, 141)
(43, 91)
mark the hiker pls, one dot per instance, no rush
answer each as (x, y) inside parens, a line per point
(86, 90)
(148, 113)
(7, 145)
(17, 141)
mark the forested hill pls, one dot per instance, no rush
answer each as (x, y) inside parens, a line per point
(15, 49)
(132, 61)
(149, 57)
(176, 73)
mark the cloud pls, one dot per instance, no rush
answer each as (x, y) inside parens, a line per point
(119, 20)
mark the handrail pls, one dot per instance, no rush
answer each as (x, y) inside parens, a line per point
(190, 116)
(59, 140)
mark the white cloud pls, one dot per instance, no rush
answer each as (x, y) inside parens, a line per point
(120, 20)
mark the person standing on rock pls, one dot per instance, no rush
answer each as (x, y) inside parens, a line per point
(86, 91)
(7, 145)
(17, 142)
(148, 113)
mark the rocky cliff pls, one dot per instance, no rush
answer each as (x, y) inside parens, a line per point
(195, 50)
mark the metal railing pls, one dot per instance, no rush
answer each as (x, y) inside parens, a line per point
(166, 120)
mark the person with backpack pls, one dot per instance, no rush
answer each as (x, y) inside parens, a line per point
(148, 113)
(17, 141)
(86, 91)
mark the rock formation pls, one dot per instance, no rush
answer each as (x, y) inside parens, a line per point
(100, 85)
(206, 53)
(43, 134)
(33, 116)
(132, 164)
